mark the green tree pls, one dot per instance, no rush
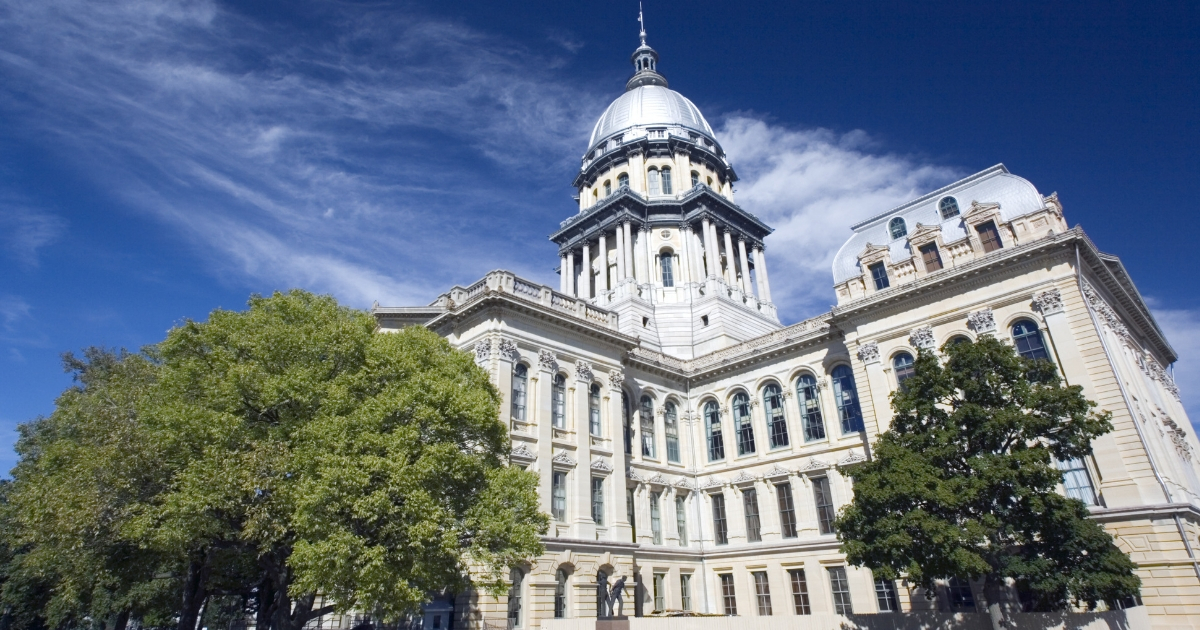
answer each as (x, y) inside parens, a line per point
(290, 451)
(964, 484)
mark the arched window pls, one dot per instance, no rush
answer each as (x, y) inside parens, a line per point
(1028, 340)
(558, 402)
(607, 187)
(903, 364)
(810, 408)
(671, 429)
(957, 339)
(712, 423)
(695, 179)
(777, 432)
(594, 411)
(517, 577)
(948, 206)
(743, 424)
(666, 180)
(654, 182)
(647, 413)
(897, 228)
(560, 594)
(520, 384)
(665, 260)
(846, 395)
(622, 181)
(627, 423)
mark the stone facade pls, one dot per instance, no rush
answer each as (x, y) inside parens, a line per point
(687, 440)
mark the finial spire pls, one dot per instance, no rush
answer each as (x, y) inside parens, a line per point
(642, 24)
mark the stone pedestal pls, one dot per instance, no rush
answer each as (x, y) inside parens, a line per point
(612, 623)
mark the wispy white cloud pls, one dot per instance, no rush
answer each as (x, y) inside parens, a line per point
(812, 185)
(13, 310)
(24, 230)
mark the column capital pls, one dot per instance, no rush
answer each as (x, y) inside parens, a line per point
(685, 227)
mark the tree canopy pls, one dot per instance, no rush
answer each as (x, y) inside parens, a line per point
(284, 461)
(964, 483)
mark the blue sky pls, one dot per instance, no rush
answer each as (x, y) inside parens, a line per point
(159, 159)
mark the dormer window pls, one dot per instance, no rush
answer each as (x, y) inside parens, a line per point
(879, 275)
(658, 133)
(989, 237)
(897, 228)
(931, 257)
(948, 206)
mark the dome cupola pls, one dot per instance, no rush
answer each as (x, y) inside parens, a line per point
(645, 63)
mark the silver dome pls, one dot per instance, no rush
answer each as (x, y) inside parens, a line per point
(649, 105)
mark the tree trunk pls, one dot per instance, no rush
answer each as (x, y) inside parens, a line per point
(266, 602)
(999, 602)
(193, 592)
(122, 620)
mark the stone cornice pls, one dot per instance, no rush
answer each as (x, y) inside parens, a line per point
(652, 146)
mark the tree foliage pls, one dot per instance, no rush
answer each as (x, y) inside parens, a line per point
(287, 457)
(964, 483)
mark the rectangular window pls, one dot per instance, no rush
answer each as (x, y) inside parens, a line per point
(753, 526)
(885, 595)
(931, 257)
(668, 277)
(989, 236)
(841, 591)
(652, 179)
(879, 275)
(720, 527)
(685, 590)
(824, 501)
(787, 510)
(728, 597)
(631, 512)
(598, 500)
(959, 591)
(558, 496)
(655, 519)
(681, 520)
(800, 592)
(660, 591)
(762, 591)
(671, 431)
(594, 411)
(1076, 481)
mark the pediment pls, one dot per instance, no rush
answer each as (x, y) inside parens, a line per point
(925, 233)
(872, 254)
(981, 210)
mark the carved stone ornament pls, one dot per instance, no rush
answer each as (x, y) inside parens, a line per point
(616, 379)
(483, 350)
(852, 458)
(1178, 438)
(1107, 315)
(602, 466)
(1048, 302)
(922, 338)
(658, 480)
(743, 478)
(632, 474)
(712, 482)
(869, 352)
(982, 322)
(776, 472)
(522, 452)
(816, 464)
(508, 350)
(685, 483)
(583, 371)
(563, 459)
(546, 359)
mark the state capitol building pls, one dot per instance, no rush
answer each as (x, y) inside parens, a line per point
(687, 439)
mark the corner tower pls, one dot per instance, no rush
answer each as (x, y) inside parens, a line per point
(658, 237)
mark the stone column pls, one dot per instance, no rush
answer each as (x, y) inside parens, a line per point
(708, 268)
(562, 275)
(538, 412)
(621, 247)
(685, 259)
(603, 284)
(730, 272)
(760, 265)
(570, 273)
(585, 272)
(640, 246)
(745, 284)
(627, 233)
(584, 526)
(615, 432)
(698, 256)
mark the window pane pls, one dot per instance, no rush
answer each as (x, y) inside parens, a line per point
(627, 423)
(846, 395)
(685, 590)
(787, 509)
(800, 592)
(712, 421)
(594, 426)
(931, 257)
(671, 429)
(810, 408)
(631, 512)
(655, 519)
(753, 526)
(743, 424)
(879, 276)
(520, 383)
(558, 496)
(728, 597)
(762, 591)
(948, 207)
(666, 181)
(841, 591)
(598, 500)
(824, 500)
(558, 402)
(903, 364)
(668, 276)
(897, 228)
(660, 591)
(885, 596)
(1028, 340)
(720, 528)
(681, 520)
(514, 598)
(959, 591)
(653, 180)
(560, 594)
(623, 180)
(777, 432)
(1076, 481)
(989, 236)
